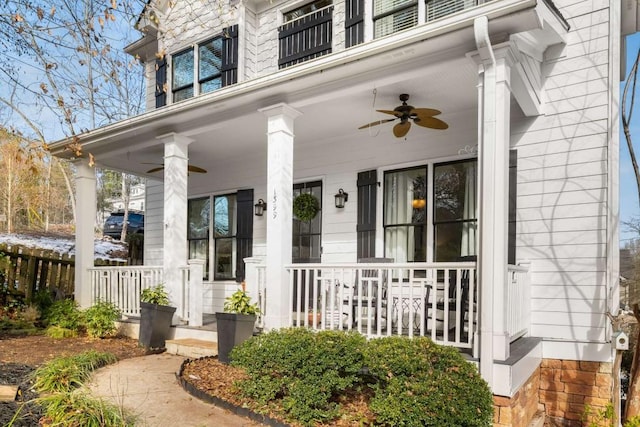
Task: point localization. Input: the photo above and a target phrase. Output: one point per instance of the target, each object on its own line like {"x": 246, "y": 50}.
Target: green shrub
{"x": 65, "y": 314}
{"x": 59, "y": 333}
{"x": 307, "y": 371}
{"x": 76, "y": 408}
{"x": 421, "y": 383}
{"x": 100, "y": 319}
{"x": 64, "y": 374}
{"x": 43, "y": 300}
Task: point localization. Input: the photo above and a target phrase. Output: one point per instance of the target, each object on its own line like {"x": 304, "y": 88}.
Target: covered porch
{"x": 275, "y": 136}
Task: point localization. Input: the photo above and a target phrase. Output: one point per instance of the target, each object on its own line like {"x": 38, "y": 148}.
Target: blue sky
{"x": 629, "y": 207}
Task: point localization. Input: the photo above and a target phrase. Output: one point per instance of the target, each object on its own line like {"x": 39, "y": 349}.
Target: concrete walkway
{"x": 148, "y": 387}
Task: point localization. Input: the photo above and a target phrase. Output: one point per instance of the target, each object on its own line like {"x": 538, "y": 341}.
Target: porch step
{"x": 192, "y": 348}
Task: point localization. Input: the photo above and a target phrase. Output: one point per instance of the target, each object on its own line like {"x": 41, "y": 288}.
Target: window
{"x": 182, "y": 75}
{"x": 407, "y": 217}
{"x": 306, "y": 245}
{"x": 306, "y": 9}
{"x": 391, "y": 16}
{"x": 212, "y": 64}
{"x": 222, "y": 236}
{"x": 455, "y": 216}
{"x": 405, "y": 214}
{"x": 198, "y": 231}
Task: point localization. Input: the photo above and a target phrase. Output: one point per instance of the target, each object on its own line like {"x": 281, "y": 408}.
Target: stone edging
{"x": 238, "y": 410}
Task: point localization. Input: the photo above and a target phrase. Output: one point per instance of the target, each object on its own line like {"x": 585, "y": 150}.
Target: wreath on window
{"x": 305, "y": 206}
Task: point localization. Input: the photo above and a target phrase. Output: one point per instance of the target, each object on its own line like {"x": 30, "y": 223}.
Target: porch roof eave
{"x": 311, "y": 78}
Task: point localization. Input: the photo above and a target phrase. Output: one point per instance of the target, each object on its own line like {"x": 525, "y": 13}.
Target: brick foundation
{"x": 567, "y": 387}
{"x": 521, "y": 408}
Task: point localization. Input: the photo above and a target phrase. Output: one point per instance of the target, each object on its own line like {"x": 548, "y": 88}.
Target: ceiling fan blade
{"x": 190, "y": 168}
{"x": 392, "y": 112}
{"x": 425, "y": 112}
{"x": 376, "y": 123}
{"x": 401, "y": 129}
{"x": 430, "y": 122}
{"x": 196, "y": 169}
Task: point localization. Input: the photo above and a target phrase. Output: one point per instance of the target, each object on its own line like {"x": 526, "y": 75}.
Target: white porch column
{"x": 279, "y": 213}
{"x": 494, "y": 138}
{"x": 85, "y": 223}
{"x": 175, "y": 212}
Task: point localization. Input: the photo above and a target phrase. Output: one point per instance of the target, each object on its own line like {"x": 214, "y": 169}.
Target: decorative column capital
{"x": 176, "y": 138}
{"x": 280, "y": 109}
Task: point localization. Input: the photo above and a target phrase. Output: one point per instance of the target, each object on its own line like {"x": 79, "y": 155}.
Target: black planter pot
{"x": 233, "y": 329}
{"x": 155, "y": 324}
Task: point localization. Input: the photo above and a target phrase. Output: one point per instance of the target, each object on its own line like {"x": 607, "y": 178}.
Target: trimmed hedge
{"x": 414, "y": 381}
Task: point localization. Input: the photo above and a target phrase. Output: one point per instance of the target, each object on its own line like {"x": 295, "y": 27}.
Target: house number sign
{"x": 274, "y": 205}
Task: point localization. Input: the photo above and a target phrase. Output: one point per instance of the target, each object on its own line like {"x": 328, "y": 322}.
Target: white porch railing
{"x": 438, "y": 300}
{"x": 122, "y": 285}
{"x": 518, "y": 301}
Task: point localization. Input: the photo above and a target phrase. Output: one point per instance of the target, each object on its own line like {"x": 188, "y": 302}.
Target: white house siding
{"x": 150, "y": 85}
{"x": 189, "y": 22}
{"x": 153, "y": 220}
{"x": 563, "y": 182}
{"x": 250, "y": 51}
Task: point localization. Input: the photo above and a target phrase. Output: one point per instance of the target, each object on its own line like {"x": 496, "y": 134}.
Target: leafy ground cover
{"x": 20, "y": 355}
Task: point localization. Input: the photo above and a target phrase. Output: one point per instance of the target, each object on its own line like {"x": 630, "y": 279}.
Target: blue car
{"x": 113, "y": 224}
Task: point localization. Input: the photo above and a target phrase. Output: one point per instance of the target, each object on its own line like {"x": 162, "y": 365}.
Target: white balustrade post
{"x": 252, "y": 287}
{"x": 85, "y": 223}
{"x": 279, "y": 212}
{"x": 196, "y": 288}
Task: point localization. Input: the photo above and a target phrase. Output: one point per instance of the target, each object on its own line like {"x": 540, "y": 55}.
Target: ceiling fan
{"x": 190, "y": 168}
{"x": 420, "y": 116}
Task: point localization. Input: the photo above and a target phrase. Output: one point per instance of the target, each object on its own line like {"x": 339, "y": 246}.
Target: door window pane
{"x": 405, "y": 214}
{"x": 198, "y": 230}
{"x": 455, "y": 213}
{"x": 224, "y": 236}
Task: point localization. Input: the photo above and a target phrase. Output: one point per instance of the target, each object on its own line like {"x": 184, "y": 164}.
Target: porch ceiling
{"x": 335, "y": 95}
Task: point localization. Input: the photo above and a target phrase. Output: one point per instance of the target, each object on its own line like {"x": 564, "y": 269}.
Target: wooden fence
{"x": 25, "y": 271}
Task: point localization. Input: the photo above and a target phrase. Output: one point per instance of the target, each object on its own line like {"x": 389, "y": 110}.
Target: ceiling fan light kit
{"x": 406, "y": 113}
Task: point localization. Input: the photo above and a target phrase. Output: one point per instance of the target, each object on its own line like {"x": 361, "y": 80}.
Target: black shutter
{"x": 244, "y": 230}
{"x": 366, "y": 229}
{"x": 229, "y": 58}
{"x": 513, "y": 196}
{"x": 161, "y": 80}
{"x": 354, "y": 22}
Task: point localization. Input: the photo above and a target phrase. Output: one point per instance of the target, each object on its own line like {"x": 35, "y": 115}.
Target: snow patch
{"x": 103, "y": 249}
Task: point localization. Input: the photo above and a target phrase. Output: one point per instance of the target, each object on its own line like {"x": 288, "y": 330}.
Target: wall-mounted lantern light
{"x": 341, "y": 198}
{"x": 259, "y": 207}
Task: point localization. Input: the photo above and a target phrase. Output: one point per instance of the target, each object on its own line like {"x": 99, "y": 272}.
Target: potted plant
{"x": 155, "y": 317}
{"x": 236, "y": 324}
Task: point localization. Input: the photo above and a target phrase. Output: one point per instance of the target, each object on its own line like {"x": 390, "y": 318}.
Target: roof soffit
{"x": 416, "y": 48}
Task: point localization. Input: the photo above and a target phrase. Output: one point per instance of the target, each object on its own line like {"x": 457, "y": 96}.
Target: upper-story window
{"x": 206, "y": 67}
{"x": 208, "y": 72}
{"x": 390, "y": 16}
{"x": 306, "y": 33}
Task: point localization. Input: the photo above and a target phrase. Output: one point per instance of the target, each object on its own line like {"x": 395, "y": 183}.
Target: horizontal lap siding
{"x": 563, "y": 182}
{"x": 153, "y": 220}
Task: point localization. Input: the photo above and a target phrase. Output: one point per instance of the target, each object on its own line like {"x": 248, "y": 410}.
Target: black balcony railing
{"x": 305, "y": 38}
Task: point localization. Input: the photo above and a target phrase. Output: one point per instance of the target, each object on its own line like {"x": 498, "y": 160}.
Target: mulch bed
{"x": 21, "y": 355}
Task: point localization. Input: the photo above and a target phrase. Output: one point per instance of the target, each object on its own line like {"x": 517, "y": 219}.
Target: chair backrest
{"x": 372, "y": 273}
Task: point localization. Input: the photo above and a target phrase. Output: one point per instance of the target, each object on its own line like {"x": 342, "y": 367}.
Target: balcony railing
{"x": 306, "y": 37}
